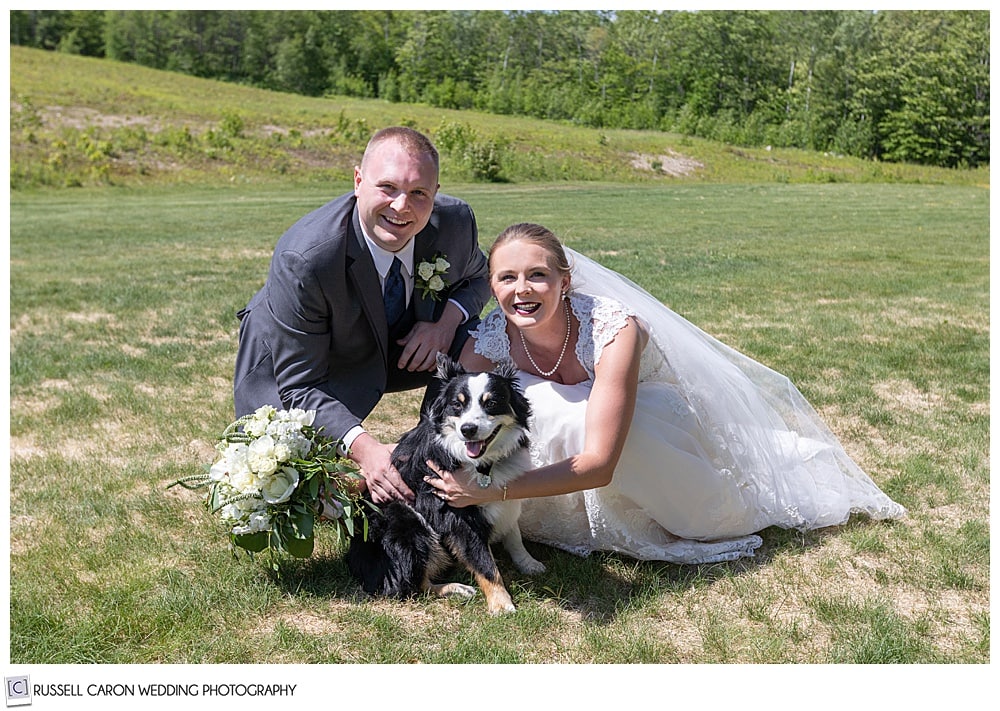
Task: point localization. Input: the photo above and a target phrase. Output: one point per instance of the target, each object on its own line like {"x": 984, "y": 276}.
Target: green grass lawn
{"x": 873, "y": 298}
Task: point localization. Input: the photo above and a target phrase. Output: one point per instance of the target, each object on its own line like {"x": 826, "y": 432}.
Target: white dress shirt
{"x": 383, "y": 261}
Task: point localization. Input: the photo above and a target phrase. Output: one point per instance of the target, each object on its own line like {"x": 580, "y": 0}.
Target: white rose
{"x": 232, "y": 462}
{"x": 435, "y": 283}
{"x": 303, "y": 418}
{"x": 264, "y": 466}
{"x": 279, "y": 488}
{"x": 255, "y": 427}
{"x": 261, "y": 456}
{"x": 441, "y": 265}
{"x": 282, "y": 452}
{"x": 244, "y": 481}
{"x": 425, "y": 270}
{"x": 257, "y": 424}
{"x": 279, "y": 427}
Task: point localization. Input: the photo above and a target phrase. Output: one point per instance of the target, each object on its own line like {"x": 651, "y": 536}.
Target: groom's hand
{"x": 383, "y": 481}
{"x": 422, "y": 344}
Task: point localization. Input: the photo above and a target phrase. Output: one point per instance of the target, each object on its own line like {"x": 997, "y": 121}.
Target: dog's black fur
{"x": 477, "y": 423}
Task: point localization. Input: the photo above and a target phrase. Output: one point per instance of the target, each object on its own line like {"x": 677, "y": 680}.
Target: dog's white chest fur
{"x": 503, "y": 515}
{"x": 487, "y": 435}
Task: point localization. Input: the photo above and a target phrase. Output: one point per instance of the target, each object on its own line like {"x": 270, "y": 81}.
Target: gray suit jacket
{"x": 315, "y": 336}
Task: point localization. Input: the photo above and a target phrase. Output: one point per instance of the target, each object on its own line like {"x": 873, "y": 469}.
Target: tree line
{"x": 903, "y": 86}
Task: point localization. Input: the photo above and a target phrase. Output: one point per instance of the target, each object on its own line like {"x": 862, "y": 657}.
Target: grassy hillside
{"x": 82, "y": 121}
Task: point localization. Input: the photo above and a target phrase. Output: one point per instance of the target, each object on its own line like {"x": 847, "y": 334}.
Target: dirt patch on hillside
{"x": 669, "y": 163}
{"x": 81, "y": 118}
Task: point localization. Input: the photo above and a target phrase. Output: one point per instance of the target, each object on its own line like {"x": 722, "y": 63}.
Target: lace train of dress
{"x": 720, "y": 447}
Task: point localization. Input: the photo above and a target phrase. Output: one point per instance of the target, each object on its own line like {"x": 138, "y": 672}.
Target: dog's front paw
{"x": 502, "y": 609}
{"x": 498, "y": 599}
{"x": 530, "y": 566}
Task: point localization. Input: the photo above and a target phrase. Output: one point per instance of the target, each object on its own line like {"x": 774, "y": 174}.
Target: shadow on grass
{"x": 599, "y": 587}
{"x": 603, "y": 585}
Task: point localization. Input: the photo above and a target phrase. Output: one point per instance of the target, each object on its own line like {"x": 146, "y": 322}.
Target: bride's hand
{"x": 448, "y": 488}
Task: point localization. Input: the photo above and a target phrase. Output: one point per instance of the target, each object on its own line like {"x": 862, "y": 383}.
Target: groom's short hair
{"x": 413, "y": 141}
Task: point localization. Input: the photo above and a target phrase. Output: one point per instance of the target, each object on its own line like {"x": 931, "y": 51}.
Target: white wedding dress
{"x": 720, "y": 446}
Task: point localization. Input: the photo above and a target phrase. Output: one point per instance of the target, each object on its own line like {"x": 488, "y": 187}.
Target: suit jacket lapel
{"x": 425, "y": 248}
{"x": 361, "y": 271}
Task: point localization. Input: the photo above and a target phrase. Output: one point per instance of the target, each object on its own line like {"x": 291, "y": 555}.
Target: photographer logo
{"x": 18, "y": 691}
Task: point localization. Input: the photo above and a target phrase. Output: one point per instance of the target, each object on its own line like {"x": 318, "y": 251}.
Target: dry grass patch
{"x": 308, "y": 622}
{"x": 908, "y": 397}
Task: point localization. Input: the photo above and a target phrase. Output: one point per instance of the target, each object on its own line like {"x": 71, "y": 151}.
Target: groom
{"x": 349, "y": 311}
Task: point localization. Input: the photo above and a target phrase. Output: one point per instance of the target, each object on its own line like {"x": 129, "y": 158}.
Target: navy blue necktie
{"x": 394, "y": 294}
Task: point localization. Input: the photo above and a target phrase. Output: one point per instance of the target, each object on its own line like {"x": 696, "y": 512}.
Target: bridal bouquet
{"x": 273, "y": 476}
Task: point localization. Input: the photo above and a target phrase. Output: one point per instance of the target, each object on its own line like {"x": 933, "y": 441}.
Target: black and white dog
{"x": 477, "y": 427}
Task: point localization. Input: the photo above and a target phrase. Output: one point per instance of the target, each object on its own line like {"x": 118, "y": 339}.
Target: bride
{"x": 649, "y": 437}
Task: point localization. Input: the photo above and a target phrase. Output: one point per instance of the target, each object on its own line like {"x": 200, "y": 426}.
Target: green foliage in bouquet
{"x": 275, "y": 474}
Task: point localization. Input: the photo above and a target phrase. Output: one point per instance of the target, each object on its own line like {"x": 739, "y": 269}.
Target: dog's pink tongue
{"x": 475, "y": 449}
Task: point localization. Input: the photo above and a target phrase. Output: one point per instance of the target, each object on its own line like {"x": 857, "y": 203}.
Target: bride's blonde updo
{"x": 536, "y": 234}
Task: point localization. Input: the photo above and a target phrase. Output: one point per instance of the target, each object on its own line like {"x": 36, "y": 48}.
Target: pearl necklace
{"x": 547, "y": 373}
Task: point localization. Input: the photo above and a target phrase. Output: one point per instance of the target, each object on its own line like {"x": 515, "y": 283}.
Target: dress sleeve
{"x": 600, "y": 320}
{"x": 491, "y": 337}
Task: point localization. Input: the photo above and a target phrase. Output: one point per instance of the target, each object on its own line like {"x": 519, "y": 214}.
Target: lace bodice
{"x": 600, "y": 318}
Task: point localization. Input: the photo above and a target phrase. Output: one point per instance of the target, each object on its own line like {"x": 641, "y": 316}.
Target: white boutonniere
{"x": 430, "y": 277}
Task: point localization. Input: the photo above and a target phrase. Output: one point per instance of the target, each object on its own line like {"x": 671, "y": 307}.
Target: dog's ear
{"x": 447, "y": 368}
{"x": 506, "y": 369}
{"x": 520, "y": 404}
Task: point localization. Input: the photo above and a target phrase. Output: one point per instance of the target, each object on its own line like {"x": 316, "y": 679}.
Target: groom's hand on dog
{"x": 383, "y": 481}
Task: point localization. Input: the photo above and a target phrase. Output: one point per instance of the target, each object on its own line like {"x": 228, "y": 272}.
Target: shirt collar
{"x": 383, "y": 257}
